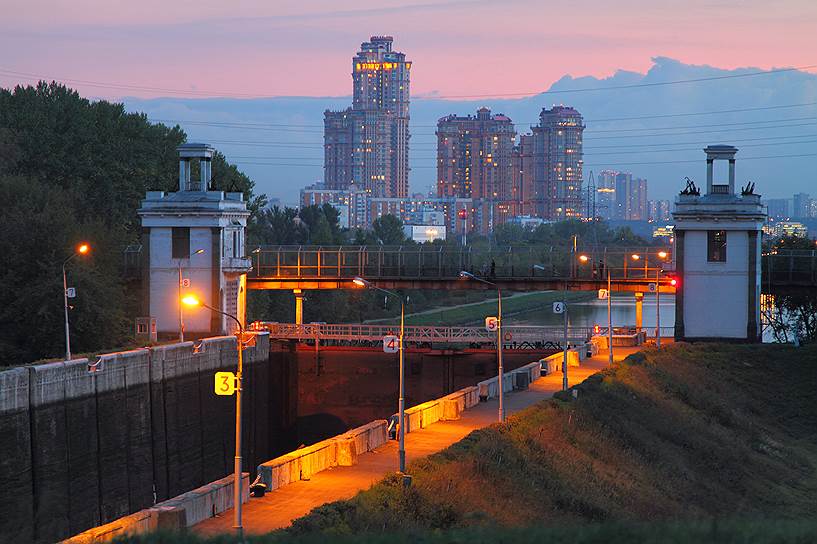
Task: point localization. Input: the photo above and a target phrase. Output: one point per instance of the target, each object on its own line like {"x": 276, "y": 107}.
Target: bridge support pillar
{"x": 299, "y": 306}
{"x": 639, "y": 311}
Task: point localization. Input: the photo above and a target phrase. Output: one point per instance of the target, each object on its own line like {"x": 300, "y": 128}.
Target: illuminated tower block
{"x": 197, "y": 234}
{"x": 717, "y": 252}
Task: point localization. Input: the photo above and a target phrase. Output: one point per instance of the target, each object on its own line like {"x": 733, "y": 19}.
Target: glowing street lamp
{"x": 181, "y": 318}
{"x": 662, "y": 254}
{"x": 401, "y": 403}
{"x": 82, "y": 249}
{"x": 584, "y": 258}
{"x": 501, "y": 368}
{"x": 635, "y": 256}
{"x": 192, "y": 300}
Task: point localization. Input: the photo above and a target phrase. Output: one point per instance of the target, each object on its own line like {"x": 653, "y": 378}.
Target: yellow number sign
{"x": 225, "y": 383}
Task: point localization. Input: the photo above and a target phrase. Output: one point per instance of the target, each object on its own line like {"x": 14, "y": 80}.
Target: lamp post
{"x": 501, "y": 368}
{"x": 661, "y": 255}
{"x": 401, "y": 403}
{"x": 181, "y": 318}
{"x": 191, "y": 300}
{"x": 81, "y": 250}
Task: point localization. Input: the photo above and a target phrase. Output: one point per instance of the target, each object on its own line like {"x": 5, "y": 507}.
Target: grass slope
{"x": 688, "y": 432}
{"x": 709, "y": 443}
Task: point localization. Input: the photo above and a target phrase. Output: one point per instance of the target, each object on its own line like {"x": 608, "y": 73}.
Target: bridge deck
{"x": 522, "y": 268}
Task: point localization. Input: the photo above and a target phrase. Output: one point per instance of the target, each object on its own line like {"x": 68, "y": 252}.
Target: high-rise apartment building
{"x": 366, "y": 146}
{"x": 606, "y": 194}
{"x": 474, "y": 160}
{"x": 557, "y": 163}
{"x": 522, "y": 178}
{"x": 801, "y": 205}
{"x": 658, "y": 210}
{"x": 778, "y": 208}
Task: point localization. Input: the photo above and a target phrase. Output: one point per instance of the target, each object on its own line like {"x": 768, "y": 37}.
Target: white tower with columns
{"x": 717, "y": 257}
{"x": 193, "y": 242}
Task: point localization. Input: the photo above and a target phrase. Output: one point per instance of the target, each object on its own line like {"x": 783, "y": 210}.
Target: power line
{"x": 634, "y": 85}
{"x": 317, "y": 165}
{"x": 201, "y": 92}
{"x": 290, "y": 127}
{"x": 637, "y": 150}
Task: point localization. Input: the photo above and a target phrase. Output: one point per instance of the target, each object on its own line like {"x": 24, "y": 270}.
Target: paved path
{"x": 280, "y": 507}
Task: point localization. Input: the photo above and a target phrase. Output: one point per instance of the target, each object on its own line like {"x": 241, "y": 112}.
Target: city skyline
{"x": 659, "y": 76}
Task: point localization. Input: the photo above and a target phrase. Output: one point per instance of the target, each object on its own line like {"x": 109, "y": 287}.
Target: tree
{"x": 388, "y": 229}
{"x": 75, "y": 170}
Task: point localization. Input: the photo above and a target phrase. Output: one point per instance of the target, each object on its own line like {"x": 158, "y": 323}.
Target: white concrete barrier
{"x": 360, "y": 440}
{"x": 300, "y": 464}
{"x": 173, "y": 514}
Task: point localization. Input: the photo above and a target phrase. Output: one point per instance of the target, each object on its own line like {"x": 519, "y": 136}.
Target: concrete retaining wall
{"x": 574, "y": 358}
{"x": 88, "y": 442}
{"x": 175, "y": 514}
{"x": 341, "y": 450}
{"x": 515, "y": 379}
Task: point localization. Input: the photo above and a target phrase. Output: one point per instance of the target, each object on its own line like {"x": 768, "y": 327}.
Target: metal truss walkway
{"x": 476, "y": 336}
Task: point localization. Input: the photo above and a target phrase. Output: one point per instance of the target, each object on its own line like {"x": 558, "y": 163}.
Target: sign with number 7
{"x": 225, "y": 383}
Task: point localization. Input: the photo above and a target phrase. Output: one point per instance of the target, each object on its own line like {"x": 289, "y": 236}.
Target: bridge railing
{"x": 436, "y": 261}
{"x": 352, "y": 332}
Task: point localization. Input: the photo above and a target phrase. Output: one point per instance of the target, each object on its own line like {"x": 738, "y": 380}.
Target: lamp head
{"x": 198, "y": 252}
{"x": 584, "y": 258}
{"x": 464, "y": 274}
{"x": 662, "y": 254}
{"x": 83, "y": 249}
{"x": 191, "y": 300}
{"x": 360, "y": 282}
{"x": 635, "y": 256}
{"x": 256, "y": 251}
{"x": 538, "y": 267}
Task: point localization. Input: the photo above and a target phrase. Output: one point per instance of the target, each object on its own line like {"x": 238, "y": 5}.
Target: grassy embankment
{"x": 703, "y": 443}
{"x": 475, "y": 312}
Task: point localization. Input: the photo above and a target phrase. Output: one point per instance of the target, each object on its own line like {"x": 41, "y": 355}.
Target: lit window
{"x": 716, "y": 246}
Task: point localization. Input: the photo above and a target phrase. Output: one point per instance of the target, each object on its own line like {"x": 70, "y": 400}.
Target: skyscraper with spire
{"x": 366, "y": 146}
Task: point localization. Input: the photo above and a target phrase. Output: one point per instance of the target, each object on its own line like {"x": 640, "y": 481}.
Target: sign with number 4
{"x": 391, "y": 344}
{"x": 225, "y": 383}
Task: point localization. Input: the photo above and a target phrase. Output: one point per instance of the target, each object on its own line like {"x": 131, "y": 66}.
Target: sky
{"x": 296, "y": 48}
{"x": 166, "y": 57}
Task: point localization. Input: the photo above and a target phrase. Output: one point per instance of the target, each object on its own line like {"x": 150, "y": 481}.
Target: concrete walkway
{"x": 280, "y": 507}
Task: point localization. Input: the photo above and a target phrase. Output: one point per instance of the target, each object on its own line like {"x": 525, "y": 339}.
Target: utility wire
{"x": 202, "y": 92}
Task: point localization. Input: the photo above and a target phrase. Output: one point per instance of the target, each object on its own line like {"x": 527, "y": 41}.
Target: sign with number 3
{"x": 225, "y": 383}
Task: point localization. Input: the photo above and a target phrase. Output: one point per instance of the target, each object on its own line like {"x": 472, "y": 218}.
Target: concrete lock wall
{"x": 89, "y": 442}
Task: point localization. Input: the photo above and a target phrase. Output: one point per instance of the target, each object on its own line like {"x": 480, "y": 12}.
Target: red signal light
{"x": 673, "y": 282}
{"x": 462, "y": 214}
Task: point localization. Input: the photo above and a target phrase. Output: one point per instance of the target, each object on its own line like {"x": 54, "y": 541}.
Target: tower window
{"x": 181, "y": 242}
{"x": 716, "y": 246}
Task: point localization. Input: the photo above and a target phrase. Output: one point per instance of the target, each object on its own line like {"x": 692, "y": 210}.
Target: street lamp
{"x": 564, "y": 350}
{"x": 82, "y": 249}
{"x": 501, "y": 368}
{"x": 192, "y": 300}
{"x": 401, "y": 404}
{"x": 181, "y": 318}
